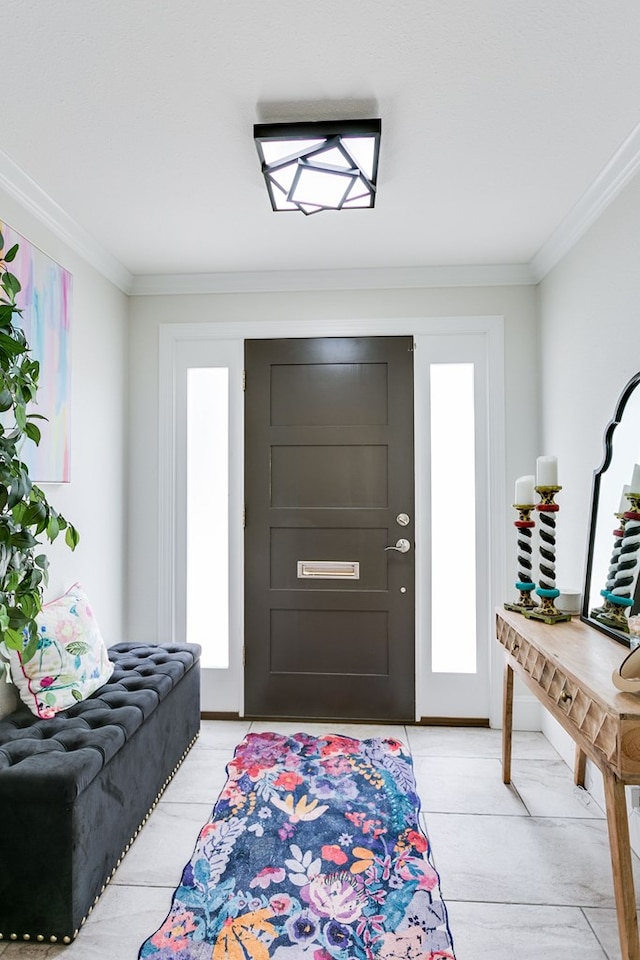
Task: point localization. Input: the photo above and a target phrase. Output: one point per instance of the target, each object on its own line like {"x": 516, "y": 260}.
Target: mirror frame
{"x": 595, "y": 496}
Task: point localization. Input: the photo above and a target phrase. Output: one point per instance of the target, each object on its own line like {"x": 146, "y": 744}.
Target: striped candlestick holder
{"x": 618, "y": 534}
{"x": 524, "y": 525}
{"x": 546, "y": 590}
{"x": 620, "y": 599}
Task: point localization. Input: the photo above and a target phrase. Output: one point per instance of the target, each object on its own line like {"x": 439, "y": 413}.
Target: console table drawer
{"x": 583, "y": 715}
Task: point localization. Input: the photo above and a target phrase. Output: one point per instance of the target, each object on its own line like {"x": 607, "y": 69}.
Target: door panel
{"x": 329, "y": 476}
{"x": 329, "y": 465}
{"x": 325, "y": 394}
{"x": 353, "y": 642}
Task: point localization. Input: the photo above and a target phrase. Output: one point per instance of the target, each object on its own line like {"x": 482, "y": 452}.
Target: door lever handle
{"x": 402, "y": 546}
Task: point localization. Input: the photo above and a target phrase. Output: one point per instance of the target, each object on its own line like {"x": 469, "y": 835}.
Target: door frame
{"x": 229, "y": 691}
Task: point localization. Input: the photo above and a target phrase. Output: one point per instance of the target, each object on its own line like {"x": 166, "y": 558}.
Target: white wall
{"x": 589, "y": 308}
{"x": 516, "y": 304}
{"x": 94, "y": 500}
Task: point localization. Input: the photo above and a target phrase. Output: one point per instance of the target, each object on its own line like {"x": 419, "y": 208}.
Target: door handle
{"x": 402, "y": 546}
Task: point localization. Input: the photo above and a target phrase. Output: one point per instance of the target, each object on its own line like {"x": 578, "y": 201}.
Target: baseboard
{"x": 422, "y": 722}
{"x": 221, "y": 715}
{"x": 453, "y": 722}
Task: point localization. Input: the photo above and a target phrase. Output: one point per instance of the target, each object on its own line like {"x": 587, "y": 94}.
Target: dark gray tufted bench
{"x": 75, "y": 790}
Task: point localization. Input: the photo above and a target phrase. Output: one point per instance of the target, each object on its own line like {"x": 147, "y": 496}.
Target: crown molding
{"x": 613, "y": 178}
{"x": 271, "y": 281}
{"x": 36, "y": 201}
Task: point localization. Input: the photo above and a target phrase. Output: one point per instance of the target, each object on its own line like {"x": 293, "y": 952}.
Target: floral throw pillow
{"x": 71, "y": 660}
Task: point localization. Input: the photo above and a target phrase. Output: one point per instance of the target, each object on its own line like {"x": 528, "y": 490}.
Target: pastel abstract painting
{"x": 45, "y": 301}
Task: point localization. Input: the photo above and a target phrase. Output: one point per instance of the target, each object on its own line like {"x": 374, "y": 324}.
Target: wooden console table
{"x": 568, "y": 667}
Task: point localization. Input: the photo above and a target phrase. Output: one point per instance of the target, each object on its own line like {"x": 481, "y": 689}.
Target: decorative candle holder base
{"x": 525, "y": 600}
{"x": 520, "y": 606}
{"x": 547, "y": 610}
{"x": 614, "y": 613}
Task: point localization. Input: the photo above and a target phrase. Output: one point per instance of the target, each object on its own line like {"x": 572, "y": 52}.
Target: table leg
{"x": 621, "y": 865}
{"x": 507, "y": 723}
{"x": 580, "y": 767}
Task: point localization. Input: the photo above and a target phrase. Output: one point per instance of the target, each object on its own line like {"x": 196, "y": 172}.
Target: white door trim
{"x": 172, "y": 334}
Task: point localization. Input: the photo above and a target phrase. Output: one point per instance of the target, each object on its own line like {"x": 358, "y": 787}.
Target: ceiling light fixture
{"x": 319, "y": 165}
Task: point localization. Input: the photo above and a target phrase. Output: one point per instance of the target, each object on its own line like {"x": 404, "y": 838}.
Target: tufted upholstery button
{"x": 107, "y": 740}
{"x": 18, "y": 750}
{"x": 128, "y": 718}
{"x": 161, "y": 683}
{"x": 145, "y": 700}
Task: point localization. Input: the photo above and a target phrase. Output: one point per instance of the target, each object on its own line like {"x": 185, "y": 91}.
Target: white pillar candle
{"x": 525, "y": 490}
{"x": 635, "y": 479}
{"x": 547, "y": 472}
{"x": 624, "y": 502}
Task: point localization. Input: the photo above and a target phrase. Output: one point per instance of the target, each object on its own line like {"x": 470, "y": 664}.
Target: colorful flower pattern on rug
{"x": 313, "y": 852}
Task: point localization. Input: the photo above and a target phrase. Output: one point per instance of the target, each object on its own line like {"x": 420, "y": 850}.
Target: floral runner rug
{"x": 313, "y": 851}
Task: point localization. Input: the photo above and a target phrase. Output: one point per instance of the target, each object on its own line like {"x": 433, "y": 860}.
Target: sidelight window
{"x": 208, "y": 513}
{"x": 453, "y": 518}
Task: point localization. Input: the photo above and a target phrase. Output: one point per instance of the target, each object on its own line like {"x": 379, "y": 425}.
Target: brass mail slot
{"x": 328, "y": 570}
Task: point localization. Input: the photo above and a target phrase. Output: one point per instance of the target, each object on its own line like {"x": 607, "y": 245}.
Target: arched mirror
{"x": 611, "y": 596}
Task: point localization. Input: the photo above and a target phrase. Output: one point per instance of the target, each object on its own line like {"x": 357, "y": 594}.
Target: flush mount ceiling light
{"x": 319, "y": 165}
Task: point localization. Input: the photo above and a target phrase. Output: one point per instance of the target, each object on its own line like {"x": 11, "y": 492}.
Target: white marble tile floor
{"x": 525, "y": 868}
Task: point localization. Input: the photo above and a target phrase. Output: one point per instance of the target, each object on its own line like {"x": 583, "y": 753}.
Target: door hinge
{"x": 244, "y": 656}
{"x": 244, "y": 379}
{"x": 413, "y": 347}
{"x": 244, "y": 517}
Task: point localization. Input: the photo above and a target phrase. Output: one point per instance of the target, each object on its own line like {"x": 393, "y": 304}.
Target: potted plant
{"x": 25, "y": 513}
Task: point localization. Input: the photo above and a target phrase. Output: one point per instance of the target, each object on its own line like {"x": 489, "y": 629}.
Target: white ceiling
{"x": 506, "y": 126}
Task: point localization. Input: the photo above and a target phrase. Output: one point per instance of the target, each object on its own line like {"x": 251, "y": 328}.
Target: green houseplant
{"x": 25, "y": 513}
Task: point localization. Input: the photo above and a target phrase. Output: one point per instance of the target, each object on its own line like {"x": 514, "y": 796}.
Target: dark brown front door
{"x": 329, "y": 612}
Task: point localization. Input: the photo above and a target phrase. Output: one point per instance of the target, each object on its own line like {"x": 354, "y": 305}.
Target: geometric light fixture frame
{"x": 320, "y": 165}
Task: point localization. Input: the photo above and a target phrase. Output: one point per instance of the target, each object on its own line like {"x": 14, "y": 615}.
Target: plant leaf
{"x": 10, "y": 255}
{"x": 13, "y": 638}
{"x": 10, "y": 283}
{"x": 7, "y": 311}
{"x": 72, "y": 537}
{"x": 29, "y": 651}
{"x": 9, "y": 346}
{"x": 34, "y": 513}
{"x": 33, "y": 432}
